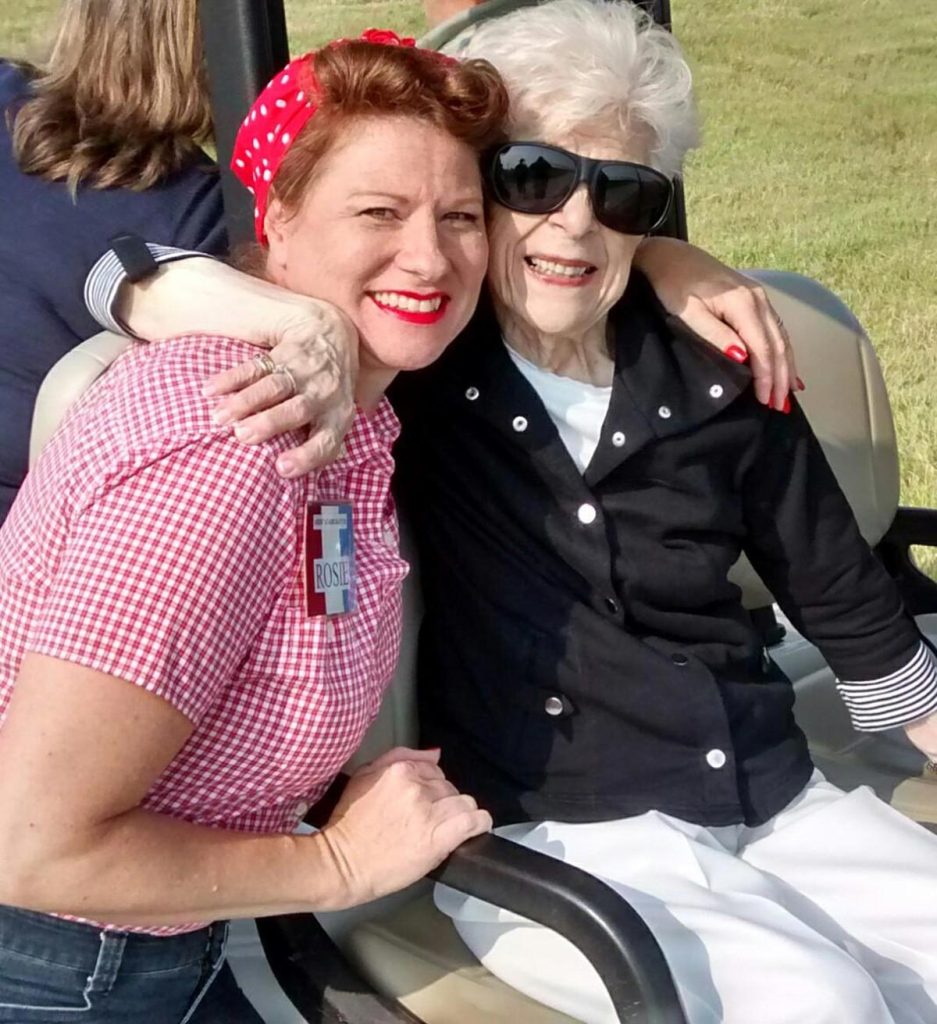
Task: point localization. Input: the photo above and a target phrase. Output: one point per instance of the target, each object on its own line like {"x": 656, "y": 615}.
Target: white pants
{"x": 826, "y": 914}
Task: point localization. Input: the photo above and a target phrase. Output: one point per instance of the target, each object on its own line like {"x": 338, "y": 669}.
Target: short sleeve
{"x": 170, "y": 574}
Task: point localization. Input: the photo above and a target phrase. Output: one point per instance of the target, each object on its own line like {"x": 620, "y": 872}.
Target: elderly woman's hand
{"x": 397, "y": 819}
{"x": 306, "y": 380}
{"x": 732, "y": 312}
{"x": 923, "y": 734}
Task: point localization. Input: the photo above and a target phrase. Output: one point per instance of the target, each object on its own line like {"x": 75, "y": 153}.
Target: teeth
{"x": 393, "y": 300}
{"x": 557, "y": 269}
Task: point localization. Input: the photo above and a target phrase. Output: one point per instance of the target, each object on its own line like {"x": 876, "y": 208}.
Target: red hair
{"x": 465, "y": 99}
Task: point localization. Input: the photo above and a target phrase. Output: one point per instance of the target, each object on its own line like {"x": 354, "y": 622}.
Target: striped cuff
{"x": 897, "y": 699}
{"x": 106, "y": 277}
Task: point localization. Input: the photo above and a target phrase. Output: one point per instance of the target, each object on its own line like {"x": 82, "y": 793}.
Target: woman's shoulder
{"x": 15, "y": 77}
{"x": 149, "y": 407}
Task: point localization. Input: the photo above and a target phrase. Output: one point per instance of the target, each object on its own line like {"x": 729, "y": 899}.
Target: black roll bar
{"x": 245, "y": 42}
{"x": 323, "y": 986}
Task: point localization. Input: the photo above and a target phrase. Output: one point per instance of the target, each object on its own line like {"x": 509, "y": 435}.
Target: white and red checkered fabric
{"x": 149, "y": 545}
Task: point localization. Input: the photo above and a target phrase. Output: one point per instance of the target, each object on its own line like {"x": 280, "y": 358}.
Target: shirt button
{"x": 302, "y": 809}
{"x": 680, "y": 659}
{"x": 471, "y": 394}
{"x": 611, "y": 605}
{"x": 715, "y": 391}
{"x": 664, "y": 412}
{"x": 519, "y": 423}
{"x": 553, "y": 706}
{"x": 716, "y": 759}
{"x": 586, "y": 514}
{"x": 618, "y": 439}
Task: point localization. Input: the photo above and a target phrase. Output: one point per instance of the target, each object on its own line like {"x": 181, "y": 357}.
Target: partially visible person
{"x": 191, "y": 647}
{"x": 104, "y": 137}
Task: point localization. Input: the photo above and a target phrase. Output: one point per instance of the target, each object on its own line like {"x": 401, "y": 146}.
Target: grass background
{"x": 820, "y": 156}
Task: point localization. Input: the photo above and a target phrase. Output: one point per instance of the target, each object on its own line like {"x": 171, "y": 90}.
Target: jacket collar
{"x": 667, "y": 381}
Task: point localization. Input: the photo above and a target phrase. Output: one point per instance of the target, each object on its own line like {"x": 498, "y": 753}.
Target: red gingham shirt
{"x": 150, "y": 545}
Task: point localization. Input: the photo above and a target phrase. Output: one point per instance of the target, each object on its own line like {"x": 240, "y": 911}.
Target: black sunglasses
{"x": 531, "y": 177}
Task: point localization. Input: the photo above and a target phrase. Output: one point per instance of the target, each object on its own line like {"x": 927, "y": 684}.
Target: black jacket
{"x": 583, "y": 655}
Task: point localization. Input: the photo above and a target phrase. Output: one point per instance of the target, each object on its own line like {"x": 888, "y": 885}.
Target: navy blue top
{"x": 48, "y": 243}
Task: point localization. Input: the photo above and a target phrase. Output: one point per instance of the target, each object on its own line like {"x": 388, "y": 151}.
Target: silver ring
{"x": 288, "y": 373}
{"x": 265, "y": 365}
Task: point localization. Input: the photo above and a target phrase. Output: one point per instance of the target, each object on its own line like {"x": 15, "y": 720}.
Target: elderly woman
{"x": 581, "y": 475}
{"x": 169, "y": 713}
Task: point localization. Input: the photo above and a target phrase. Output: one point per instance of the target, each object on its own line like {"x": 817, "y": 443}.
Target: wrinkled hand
{"x": 398, "y": 818}
{"x": 923, "y": 734}
{"x": 319, "y": 346}
{"x": 732, "y": 312}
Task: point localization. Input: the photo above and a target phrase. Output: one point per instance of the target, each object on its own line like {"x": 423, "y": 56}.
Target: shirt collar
{"x": 667, "y": 381}
{"x": 371, "y": 433}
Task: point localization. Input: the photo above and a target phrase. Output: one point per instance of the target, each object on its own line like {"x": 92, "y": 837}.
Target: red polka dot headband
{"x": 277, "y": 116}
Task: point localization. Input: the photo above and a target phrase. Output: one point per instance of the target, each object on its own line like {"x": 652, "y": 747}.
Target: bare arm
{"x": 80, "y": 749}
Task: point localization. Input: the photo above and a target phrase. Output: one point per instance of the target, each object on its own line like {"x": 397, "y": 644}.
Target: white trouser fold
{"x": 826, "y": 914}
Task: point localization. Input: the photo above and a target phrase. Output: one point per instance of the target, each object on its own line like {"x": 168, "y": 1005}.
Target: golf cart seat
{"x": 406, "y": 949}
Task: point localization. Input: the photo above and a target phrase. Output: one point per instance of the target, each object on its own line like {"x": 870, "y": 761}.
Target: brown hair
{"x": 123, "y": 99}
{"x": 466, "y": 99}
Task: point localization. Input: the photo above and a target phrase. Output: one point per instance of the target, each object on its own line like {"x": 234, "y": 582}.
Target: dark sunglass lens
{"x": 532, "y": 179}
{"x": 630, "y": 198}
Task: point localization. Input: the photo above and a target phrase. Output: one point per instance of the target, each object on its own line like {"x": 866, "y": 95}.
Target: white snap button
{"x": 715, "y": 391}
{"x": 586, "y": 514}
{"x": 664, "y": 412}
{"x": 618, "y": 439}
{"x": 716, "y": 759}
{"x": 302, "y": 809}
{"x": 519, "y": 423}
{"x": 553, "y": 706}
{"x": 471, "y": 394}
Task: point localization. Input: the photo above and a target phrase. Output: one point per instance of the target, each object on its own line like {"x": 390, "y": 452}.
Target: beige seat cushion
{"x": 416, "y": 956}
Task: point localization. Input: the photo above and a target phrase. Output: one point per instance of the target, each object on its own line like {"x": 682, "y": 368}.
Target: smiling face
{"x": 559, "y": 274}
{"x": 391, "y": 230}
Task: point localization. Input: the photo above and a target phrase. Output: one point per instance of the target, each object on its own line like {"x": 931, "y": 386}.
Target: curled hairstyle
{"x": 465, "y": 99}
{"x": 572, "y": 65}
{"x": 122, "y": 99}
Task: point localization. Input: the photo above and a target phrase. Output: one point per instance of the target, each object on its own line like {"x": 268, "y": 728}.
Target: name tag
{"x": 329, "y": 563}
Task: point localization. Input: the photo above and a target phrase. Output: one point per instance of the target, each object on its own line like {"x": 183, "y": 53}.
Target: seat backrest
{"x": 845, "y": 401}
{"x": 67, "y": 381}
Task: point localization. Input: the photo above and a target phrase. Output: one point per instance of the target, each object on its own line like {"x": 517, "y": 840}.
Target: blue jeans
{"x": 52, "y": 971}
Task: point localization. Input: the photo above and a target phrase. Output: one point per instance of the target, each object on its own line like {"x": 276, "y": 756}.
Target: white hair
{"x": 572, "y": 65}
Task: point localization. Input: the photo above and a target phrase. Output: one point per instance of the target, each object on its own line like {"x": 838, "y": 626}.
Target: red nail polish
{"x": 801, "y": 386}
{"x": 786, "y": 407}
{"x": 770, "y": 402}
{"x": 737, "y": 353}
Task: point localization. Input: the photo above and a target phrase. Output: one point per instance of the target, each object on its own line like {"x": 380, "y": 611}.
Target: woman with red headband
{"x": 170, "y": 713}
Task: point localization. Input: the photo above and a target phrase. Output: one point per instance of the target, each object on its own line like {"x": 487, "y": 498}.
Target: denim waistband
{"x": 72, "y": 944}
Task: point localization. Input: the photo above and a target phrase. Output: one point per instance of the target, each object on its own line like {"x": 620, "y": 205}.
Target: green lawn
{"x": 820, "y": 156}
